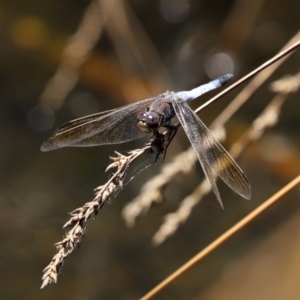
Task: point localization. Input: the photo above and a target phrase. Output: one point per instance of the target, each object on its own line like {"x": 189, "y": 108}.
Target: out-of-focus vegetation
{"x": 60, "y": 60}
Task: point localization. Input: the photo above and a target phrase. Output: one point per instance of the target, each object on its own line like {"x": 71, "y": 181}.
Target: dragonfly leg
{"x": 172, "y": 130}
{"x": 157, "y": 144}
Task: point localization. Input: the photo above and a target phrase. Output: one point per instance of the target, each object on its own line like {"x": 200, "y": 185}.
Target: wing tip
{"x": 246, "y": 192}
{"x": 46, "y": 146}
{"x": 247, "y": 195}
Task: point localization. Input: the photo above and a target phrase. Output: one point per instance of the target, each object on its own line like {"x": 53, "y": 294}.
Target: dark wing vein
{"x": 110, "y": 127}
{"x": 80, "y": 121}
{"x": 214, "y": 159}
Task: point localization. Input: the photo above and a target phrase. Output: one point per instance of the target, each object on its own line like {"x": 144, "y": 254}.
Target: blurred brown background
{"x": 60, "y": 60}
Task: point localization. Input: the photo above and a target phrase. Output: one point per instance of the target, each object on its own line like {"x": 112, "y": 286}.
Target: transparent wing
{"x": 80, "y": 121}
{"x": 213, "y": 158}
{"x": 109, "y": 127}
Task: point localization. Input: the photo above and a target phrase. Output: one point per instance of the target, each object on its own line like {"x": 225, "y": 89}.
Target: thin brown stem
{"x": 283, "y": 55}
{"x": 224, "y": 237}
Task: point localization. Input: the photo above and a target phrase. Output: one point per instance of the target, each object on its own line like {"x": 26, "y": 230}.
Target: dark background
{"x": 165, "y": 45}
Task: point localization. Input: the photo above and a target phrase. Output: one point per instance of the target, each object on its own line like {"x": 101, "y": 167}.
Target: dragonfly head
{"x": 147, "y": 121}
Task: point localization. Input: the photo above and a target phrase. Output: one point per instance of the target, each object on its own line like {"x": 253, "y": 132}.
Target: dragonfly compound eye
{"x": 146, "y": 122}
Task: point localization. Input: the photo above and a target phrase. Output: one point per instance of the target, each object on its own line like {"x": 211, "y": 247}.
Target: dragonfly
{"x": 151, "y": 115}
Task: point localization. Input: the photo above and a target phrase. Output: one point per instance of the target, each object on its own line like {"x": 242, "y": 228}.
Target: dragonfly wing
{"x": 80, "y": 121}
{"x": 110, "y": 127}
{"x": 214, "y": 159}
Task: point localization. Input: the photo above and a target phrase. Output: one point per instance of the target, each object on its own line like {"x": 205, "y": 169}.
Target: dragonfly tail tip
{"x": 224, "y": 79}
